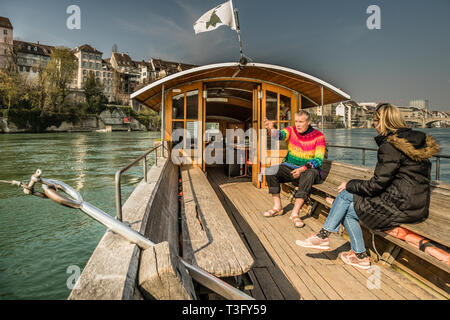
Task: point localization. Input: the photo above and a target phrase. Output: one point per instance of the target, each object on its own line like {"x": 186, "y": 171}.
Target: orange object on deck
{"x": 438, "y": 253}
{"x": 416, "y": 240}
{"x": 399, "y": 233}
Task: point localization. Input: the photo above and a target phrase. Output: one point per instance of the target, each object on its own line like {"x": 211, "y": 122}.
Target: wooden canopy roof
{"x": 308, "y": 86}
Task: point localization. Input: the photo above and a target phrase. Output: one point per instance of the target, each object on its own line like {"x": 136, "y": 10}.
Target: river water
{"x": 42, "y": 243}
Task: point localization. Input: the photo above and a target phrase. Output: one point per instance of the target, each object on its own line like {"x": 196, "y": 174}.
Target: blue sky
{"x": 409, "y": 58}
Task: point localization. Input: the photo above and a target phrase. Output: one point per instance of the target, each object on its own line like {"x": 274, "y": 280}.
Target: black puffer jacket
{"x": 399, "y": 191}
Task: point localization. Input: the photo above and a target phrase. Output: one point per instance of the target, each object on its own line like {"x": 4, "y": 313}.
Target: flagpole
{"x": 242, "y": 60}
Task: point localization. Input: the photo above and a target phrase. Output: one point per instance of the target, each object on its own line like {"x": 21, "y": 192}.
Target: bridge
{"x": 427, "y": 121}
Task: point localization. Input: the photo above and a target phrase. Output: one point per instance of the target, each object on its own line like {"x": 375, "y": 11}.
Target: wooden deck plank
{"x": 407, "y": 285}
{"x": 286, "y": 288}
{"x": 256, "y": 292}
{"x": 329, "y": 291}
{"x": 314, "y": 288}
{"x": 269, "y": 287}
{"x": 253, "y": 212}
{"x": 314, "y": 274}
{"x": 384, "y": 292}
{"x": 344, "y": 283}
{"x": 298, "y": 283}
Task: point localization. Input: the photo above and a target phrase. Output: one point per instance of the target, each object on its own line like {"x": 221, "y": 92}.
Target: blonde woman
{"x": 399, "y": 191}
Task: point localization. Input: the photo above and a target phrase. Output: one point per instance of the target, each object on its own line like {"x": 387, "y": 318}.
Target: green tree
{"x": 93, "y": 91}
{"x": 60, "y": 72}
{"x": 11, "y": 89}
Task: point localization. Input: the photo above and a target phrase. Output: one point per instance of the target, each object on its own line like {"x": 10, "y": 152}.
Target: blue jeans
{"x": 343, "y": 211}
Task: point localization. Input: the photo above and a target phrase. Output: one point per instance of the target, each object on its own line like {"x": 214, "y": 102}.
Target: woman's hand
{"x": 342, "y": 186}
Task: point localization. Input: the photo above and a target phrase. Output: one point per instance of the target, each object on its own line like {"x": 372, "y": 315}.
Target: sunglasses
{"x": 381, "y": 106}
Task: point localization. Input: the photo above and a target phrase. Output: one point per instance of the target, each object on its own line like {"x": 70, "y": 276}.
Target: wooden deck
{"x": 283, "y": 270}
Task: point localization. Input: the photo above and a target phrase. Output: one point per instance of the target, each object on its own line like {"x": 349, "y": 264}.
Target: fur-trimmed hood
{"x": 415, "y": 144}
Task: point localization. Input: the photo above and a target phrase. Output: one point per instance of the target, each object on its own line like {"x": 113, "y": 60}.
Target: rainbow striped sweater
{"x": 304, "y": 149}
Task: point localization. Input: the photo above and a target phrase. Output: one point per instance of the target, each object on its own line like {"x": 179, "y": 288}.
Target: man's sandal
{"x": 297, "y": 221}
{"x": 273, "y": 213}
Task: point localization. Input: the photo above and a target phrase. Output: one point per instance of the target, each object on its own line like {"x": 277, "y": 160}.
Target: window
{"x": 97, "y": 66}
{"x": 104, "y": 74}
{"x": 178, "y": 106}
{"x": 97, "y": 73}
{"x": 85, "y": 72}
{"x": 271, "y": 105}
{"x": 278, "y": 109}
{"x": 5, "y": 31}
{"x": 90, "y": 65}
{"x": 192, "y": 104}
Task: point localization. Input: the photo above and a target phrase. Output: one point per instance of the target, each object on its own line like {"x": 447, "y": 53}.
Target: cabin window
{"x": 278, "y": 109}
{"x": 178, "y": 107}
{"x": 192, "y": 129}
{"x": 271, "y": 105}
{"x": 192, "y": 104}
{"x": 285, "y": 108}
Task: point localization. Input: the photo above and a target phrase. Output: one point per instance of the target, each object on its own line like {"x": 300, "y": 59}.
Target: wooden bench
{"x": 209, "y": 238}
{"x": 435, "y": 228}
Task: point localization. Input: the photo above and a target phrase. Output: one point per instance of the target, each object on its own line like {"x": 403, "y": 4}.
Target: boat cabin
{"x": 208, "y": 100}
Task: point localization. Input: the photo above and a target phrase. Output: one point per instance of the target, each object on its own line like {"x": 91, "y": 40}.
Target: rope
{"x": 380, "y": 258}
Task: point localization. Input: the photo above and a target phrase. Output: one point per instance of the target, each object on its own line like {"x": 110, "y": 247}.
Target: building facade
{"x": 6, "y": 41}
{"x": 32, "y": 58}
{"x": 90, "y": 60}
{"x": 419, "y": 103}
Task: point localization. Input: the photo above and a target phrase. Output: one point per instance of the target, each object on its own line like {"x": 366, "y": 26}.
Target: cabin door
{"x": 256, "y": 125}
{"x": 278, "y": 105}
{"x": 185, "y": 111}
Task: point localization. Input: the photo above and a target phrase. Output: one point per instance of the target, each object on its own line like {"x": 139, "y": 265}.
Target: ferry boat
{"x": 210, "y": 214}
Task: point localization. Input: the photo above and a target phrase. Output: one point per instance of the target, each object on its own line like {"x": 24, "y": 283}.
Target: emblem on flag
{"x": 216, "y": 17}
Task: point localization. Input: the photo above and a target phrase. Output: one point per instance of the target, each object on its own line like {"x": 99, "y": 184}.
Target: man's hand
{"x": 297, "y": 172}
{"x": 268, "y": 124}
{"x": 342, "y": 186}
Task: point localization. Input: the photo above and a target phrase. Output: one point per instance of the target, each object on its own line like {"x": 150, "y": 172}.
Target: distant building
{"x": 420, "y": 104}
{"x": 32, "y": 58}
{"x": 90, "y": 60}
{"x": 145, "y": 70}
{"x": 6, "y": 41}
{"x": 162, "y": 68}
{"x": 126, "y": 76}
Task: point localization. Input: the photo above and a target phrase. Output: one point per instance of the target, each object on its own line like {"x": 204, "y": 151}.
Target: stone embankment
{"x": 106, "y": 121}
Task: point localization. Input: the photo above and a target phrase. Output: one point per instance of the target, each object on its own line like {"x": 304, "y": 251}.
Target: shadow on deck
{"x": 285, "y": 271}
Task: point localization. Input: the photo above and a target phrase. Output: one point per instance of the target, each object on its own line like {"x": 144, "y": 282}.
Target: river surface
{"x": 42, "y": 243}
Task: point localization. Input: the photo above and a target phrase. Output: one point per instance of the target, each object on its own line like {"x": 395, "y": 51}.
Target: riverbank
{"x": 114, "y": 120}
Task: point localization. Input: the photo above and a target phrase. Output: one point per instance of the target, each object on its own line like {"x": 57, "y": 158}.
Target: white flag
{"x": 214, "y": 18}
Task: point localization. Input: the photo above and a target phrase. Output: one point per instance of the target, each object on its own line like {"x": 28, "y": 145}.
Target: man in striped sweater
{"x": 302, "y": 164}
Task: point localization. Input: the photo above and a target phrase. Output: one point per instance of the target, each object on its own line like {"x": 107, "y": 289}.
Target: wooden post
{"x": 162, "y": 276}
{"x": 321, "y": 105}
